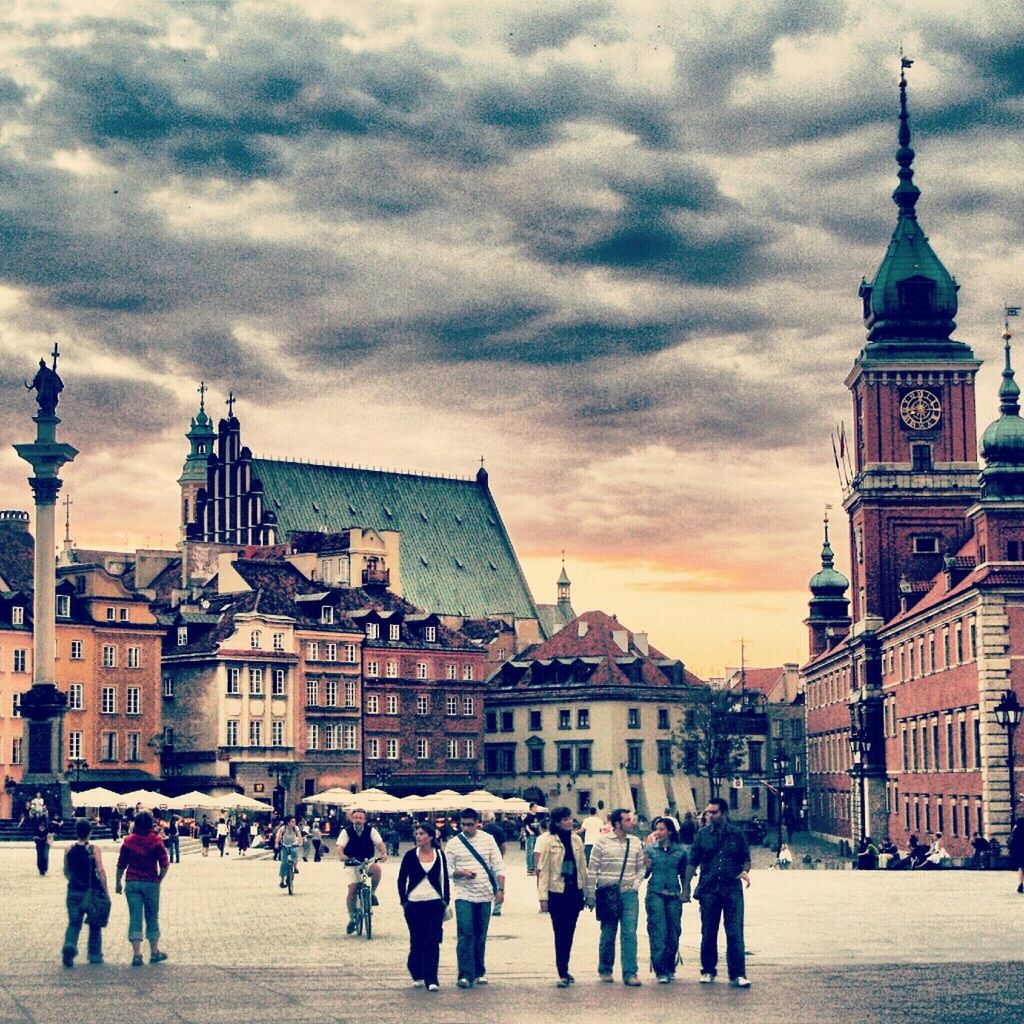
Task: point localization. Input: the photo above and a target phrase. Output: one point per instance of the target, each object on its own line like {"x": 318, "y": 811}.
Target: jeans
{"x": 586, "y": 851}
{"x": 564, "y": 909}
{"x": 174, "y": 849}
{"x": 42, "y": 856}
{"x": 143, "y": 901}
{"x": 221, "y": 840}
{"x": 425, "y": 921}
{"x": 75, "y": 918}
{"x": 316, "y": 850}
{"x": 289, "y": 855}
{"x": 664, "y": 928}
{"x": 472, "y": 920}
{"x": 715, "y": 904}
{"x": 531, "y": 862}
{"x": 626, "y": 926}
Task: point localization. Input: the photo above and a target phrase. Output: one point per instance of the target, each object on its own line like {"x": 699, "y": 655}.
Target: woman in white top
{"x": 424, "y": 892}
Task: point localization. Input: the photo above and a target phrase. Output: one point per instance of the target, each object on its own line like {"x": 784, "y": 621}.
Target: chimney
{"x": 621, "y": 637}
{"x": 640, "y": 641}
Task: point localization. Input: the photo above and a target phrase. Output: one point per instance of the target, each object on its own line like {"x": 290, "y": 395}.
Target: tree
{"x": 709, "y": 739}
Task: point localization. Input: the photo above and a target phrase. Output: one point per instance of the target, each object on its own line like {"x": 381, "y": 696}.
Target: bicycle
{"x": 291, "y": 854}
{"x": 363, "y": 912}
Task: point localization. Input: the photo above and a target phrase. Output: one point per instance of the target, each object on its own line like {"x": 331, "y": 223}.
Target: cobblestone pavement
{"x": 823, "y": 946}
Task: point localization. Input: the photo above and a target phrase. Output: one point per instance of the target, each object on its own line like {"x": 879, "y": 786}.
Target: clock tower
{"x": 914, "y": 437}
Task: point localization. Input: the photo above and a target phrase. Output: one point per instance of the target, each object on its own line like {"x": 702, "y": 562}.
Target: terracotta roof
{"x": 763, "y": 680}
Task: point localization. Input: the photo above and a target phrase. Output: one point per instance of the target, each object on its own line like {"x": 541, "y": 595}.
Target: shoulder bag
{"x": 609, "y": 897}
{"x": 96, "y": 902}
{"x": 472, "y": 849}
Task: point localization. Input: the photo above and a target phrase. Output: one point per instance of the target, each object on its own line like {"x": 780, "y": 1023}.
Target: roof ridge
{"x": 326, "y": 464}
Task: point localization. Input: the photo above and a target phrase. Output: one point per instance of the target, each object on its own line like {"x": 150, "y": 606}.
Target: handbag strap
{"x": 490, "y": 874}
{"x": 625, "y": 857}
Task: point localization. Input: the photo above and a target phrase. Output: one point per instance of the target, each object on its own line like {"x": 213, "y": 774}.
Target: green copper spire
{"x": 909, "y": 307}
{"x": 1009, "y": 392}
{"x": 827, "y": 582}
{"x": 200, "y": 437}
{"x": 1002, "y": 444}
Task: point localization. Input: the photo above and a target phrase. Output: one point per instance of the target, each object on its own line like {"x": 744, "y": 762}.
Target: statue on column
{"x": 47, "y": 386}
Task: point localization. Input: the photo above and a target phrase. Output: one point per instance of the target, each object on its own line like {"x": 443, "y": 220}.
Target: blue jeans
{"x": 531, "y": 863}
{"x": 716, "y": 904}
{"x": 626, "y": 926}
{"x": 289, "y": 855}
{"x": 173, "y": 844}
{"x": 664, "y": 928}
{"x": 75, "y": 918}
{"x": 471, "y": 920}
{"x": 143, "y": 901}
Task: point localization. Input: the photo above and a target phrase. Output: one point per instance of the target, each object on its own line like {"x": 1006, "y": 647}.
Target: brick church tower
{"x": 915, "y": 443}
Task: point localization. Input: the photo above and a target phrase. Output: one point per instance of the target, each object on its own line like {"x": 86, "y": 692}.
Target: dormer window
{"x": 183, "y": 636}
{"x": 255, "y": 639}
{"x": 917, "y": 295}
{"x": 18, "y": 615}
{"x": 63, "y": 606}
{"x": 394, "y": 631}
{"x": 430, "y": 634}
{"x": 326, "y": 615}
{"x": 372, "y": 630}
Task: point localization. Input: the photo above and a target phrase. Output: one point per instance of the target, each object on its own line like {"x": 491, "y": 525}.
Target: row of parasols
{"x": 373, "y": 800}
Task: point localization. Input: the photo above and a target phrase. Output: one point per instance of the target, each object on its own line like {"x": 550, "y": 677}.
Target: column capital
{"x": 45, "y": 489}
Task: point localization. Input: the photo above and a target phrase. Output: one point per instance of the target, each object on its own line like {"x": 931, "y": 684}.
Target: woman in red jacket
{"x": 144, "y": 858}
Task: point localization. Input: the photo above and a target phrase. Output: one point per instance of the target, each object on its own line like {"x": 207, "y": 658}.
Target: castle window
{"x": 1013, "y": 551}
{"x": 921, "y": 458}
{"x": 917, "y": 295}
{"x": 926, "y": 545}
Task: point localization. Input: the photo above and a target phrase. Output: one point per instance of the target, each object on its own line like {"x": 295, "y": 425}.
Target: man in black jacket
{"x": 721, "y": 852}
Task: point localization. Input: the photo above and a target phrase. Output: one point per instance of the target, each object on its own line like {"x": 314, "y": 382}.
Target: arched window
{"x": 255, "y": 638}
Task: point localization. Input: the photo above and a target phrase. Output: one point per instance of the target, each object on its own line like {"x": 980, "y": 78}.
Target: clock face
{"x": 920, "y": 409}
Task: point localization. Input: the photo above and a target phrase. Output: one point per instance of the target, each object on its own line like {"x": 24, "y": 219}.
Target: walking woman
{"x": 666, "y": 866}
{"x": 424, "y": 892}
{"x": 242, "y": 838}
{"x": 83, "y": 868}
{"x": 561, "y": 867}
{"x": 222, "y": 834}
{"x": 144, "y": 858}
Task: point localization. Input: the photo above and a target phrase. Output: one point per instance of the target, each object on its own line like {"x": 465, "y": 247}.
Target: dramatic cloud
{"x": 614, "y": 245}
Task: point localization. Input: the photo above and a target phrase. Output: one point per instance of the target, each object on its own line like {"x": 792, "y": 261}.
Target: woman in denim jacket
{"x": 666, "y": 866}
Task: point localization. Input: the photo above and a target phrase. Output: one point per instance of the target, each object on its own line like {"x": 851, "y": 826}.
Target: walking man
{"x": 173, "y": 843}
{"x": 617, "y": 860}
{"x": 591, "y": 828}
{"x": 478, "y": 876}
{"x": 531, "y": 830}
{"x": 723, "y": 856}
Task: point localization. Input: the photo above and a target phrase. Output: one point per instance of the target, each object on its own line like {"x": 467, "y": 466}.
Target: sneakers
{"x": 375, "y": 901}
{"x": 631, "y": 981}
{"x": 740, "y": 982}
{"x": 563, "y": 983}
{"x": 96, "y": 959}
{"x": 480, "y": 981}
{"x": 282, "y": 885}
{"x": 67, "y": 955}
{"x": 707, "y": 979}
{"x": 158, "y": 958}
{"x": 663, "y": 979}
{"x": 605, "y": 977}
{"x": 351, "y": 926}
{"x": 1020, "y": 888}
{"x": 433, "y": 987}
{"x": 464, "y": 983}
{"x": 137, "y": 960}
{"x": 569, "y": 978}
{"x": 417, "y": 984}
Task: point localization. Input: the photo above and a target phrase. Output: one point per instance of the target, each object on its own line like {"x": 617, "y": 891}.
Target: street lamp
{"x": 780, "y": 762}
{"x": 860, "y": 741}
{"x": 382, "y": 774}
{"x": 77, "y": 765}
{"x": 1008, "y": 714}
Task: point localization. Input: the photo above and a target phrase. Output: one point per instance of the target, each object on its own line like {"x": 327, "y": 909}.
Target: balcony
{"x": 377, "y": 577}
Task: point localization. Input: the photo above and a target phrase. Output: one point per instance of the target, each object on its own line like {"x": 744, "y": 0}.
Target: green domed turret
{"x": 827, "y": 582}
{"x": 1002, "y": 444}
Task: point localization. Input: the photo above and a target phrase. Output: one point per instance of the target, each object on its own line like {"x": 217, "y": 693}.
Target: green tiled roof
{"x": 456, "y": 558}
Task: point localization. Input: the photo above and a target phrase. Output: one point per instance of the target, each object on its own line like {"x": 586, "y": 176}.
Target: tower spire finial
{"x": 202, "y": 395}
{"x": 827, "y": 558}
{"x": 1009, "y": 392}
{"x": 907, "y": 193}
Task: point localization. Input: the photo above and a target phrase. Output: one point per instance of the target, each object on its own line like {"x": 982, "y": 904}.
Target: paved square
{"x": 824, "y": 946}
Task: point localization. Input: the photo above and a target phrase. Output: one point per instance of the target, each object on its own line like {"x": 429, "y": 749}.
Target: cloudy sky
{"x": 613, "y": 246}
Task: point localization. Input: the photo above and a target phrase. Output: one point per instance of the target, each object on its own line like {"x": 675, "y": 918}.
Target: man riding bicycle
{"x": 289, "y": 841}
{"x": 358, "y": 843}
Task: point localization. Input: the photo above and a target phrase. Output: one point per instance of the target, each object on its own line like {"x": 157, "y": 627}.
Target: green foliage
{"x": 709, "y": 739}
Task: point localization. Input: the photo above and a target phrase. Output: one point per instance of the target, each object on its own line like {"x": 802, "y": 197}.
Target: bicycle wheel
{"x": 359, "y": 912}
{"x": 291, "y": 879}
{"x": 367, "y": 896}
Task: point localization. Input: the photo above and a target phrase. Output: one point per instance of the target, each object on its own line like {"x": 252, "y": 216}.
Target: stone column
{"x": 43, "y": 706}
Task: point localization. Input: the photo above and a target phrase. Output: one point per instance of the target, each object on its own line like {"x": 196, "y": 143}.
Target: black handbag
{"x": 96, "y": 903}
{"x": 608, "y": 899}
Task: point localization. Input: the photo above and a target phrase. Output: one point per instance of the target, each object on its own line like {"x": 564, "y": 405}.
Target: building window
{"x": 421, "y": 670}
{"x": 231, "y": 737}
{"x": 468, "y": 706}
{"x": 373, "y": 631}
{"x": 665, "y": 758}
{"x": 449, "y": 672}
{"x": 63, "y": 606}
{"x": 330, "y": 652}
{"x": 467, "y": 671}
{"x": 490, "y": 721}
{"x": 422, "y": 704}
{"x": 123, "y": 616}
{"x": 313, "y": 737}
{"x": 565, "y": 759}
{"x": 430, "y": 634}
{"x": 108, "y": 700}
{"x": 256, "y": 682}
{"x": 564, "y": 718}
{"x": 74, "y": 745}
{"x": 959, "y": 632}
{"x": 508, "y": 721}
{"x": 350, "y": 653}
{"x": 256, "y": 733}
{"x": 451, "y": 705}
{"x": 278, "y": 684}
{"x": 132, "y": 701}
{"x": 691, "y": 757}
{"x": 255, "y": 639}
{"x": 232, "y": 685}
{"x": 963, "y": 742}
{"x": 110, "y": 615}
{"x": 327, "y": 616}
{"x": 754, "y": 757}
{"x": 949, "y": 743}
{"x": 133, "y": 746}
{"x": 134, "y": 657}
{"x": 108, "y": 746}
{"x": 331, "y": 737}
{"x": 453, "y": 749}
{"x": 583, "y": 759}
{"x": 663, "y": 718}
{"x": 536, "y": 759}
{"x": 394, "y": 631}
{"x": 76, "y": 650}
{"x": 16, "y": 750}
{"x": 977, "y": 742}
{"x": 373, "y": 749}
{"x": 373, "y": 669}
{"x": 393, "y": 750}
{"x": 422, "y": 748}
{"x": 109, "y": 656}
{"x": 331, "y": 692}
{"x": 76, "y": 698}
{"x": 921, "y": 458}
{"x": 372, "y": 704}
{"x": 635, "y": 757}
{"x": 392, "y": 704}
{"x": 583, "y": 718}
{"x": 313, "y": 651}
{"x": 633, "y": 718}
{"x": 348, "y": 737}
{"x": 734, "y": 798}
{"x": 391, "y": 669}
{"x": 278, "y": 641}
{"x": 535, "y": 721}
{"x": 312, "y": 692}
{"x": 350, "y": 693}
{"x": 469, "y": 749}
{"x": 277, "y": 733}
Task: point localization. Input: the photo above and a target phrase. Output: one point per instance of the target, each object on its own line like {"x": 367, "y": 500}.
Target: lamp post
{"x": 1008, "y": 714}
{"x": 780, "y": 762}
{"x": 77, "y": 765}
{"x": 382, "y": 775}
{"x": 861, "y": 744}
